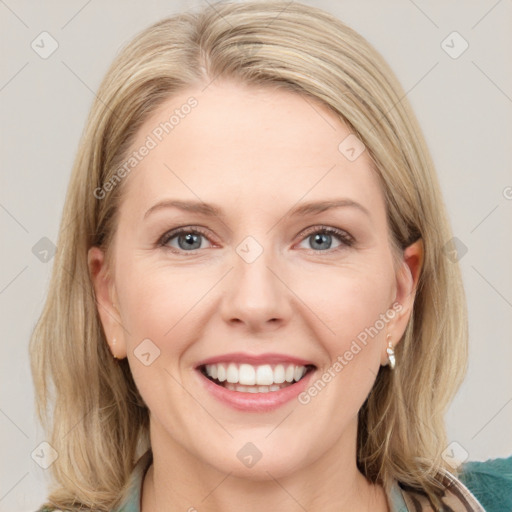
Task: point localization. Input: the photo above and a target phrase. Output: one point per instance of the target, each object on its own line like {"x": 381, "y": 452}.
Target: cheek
{"x": 351, "y": 304}
{"x": 156, "y": 300}
{"x": 347, "y": 300}
{"x": 158, "y": 305}
{"x": 339, "y": 302}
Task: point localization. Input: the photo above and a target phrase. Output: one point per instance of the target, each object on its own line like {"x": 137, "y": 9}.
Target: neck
{"x": 178, "y": 481}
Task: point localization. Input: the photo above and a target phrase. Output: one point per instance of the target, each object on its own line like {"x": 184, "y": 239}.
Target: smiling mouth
{"x": 247, "y": 378}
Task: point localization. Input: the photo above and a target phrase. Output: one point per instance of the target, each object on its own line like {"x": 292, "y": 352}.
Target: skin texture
{"x": 256, "y": 153}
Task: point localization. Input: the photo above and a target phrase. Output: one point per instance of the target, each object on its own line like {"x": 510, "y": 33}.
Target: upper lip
{"x": 255, "y": 359}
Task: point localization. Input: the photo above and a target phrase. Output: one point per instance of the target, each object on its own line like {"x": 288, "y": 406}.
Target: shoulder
{"x": 478, "y": 487}
{"x": 490, "y": 481}
{"x": 130, "y": 495}
{"x": 454, "y": 496}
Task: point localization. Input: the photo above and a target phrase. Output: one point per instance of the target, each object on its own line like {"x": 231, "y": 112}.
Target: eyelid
{"x": 344, "y": 237}
{"x": 168, "y": 235}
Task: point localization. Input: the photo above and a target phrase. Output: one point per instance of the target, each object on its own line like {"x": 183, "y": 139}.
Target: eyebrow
{"x": 302, "y": 210}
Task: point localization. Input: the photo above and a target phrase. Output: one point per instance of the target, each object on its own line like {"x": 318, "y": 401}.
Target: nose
{"x": 255, "y": 294}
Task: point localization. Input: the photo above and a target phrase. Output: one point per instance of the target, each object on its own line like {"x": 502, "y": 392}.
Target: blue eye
{"x": 187, "y": 239}
{"x": 321, "y": 239}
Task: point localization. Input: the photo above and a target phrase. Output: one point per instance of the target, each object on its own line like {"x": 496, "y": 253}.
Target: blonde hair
{"x": 87, "y": 401}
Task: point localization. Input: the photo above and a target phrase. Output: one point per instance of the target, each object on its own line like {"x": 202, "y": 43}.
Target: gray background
{"x": 464, "y": 106}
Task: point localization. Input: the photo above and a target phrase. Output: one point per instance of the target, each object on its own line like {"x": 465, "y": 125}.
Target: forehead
{"x": 242, "y": 145}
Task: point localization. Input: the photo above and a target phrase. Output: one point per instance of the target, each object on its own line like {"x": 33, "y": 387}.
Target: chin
{"x": 259, "y": 460}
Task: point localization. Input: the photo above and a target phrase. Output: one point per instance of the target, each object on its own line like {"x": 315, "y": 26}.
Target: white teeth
{"x": 232, "y": 373}
{"x": 247, "y": 375}
{"x": 221, "y": 372}
{"x": 279, "y": 375}
{"x": 255, "y": 379}
{"x": 253, "y": 389}
{"x": 299, "y": 372}
{"x": 264, "y": 375}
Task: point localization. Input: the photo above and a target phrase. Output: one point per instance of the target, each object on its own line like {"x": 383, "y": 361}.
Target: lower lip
{"x": 255, "y": 402}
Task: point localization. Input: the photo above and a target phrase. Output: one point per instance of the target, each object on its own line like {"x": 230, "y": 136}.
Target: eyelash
{"x": 345, "y": 238}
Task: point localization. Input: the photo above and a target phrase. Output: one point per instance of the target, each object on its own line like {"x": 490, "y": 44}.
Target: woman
{"x": 251, "y": 306}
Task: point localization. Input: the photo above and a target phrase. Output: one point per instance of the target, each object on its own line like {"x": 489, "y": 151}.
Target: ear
{"x": 407, "y": 279}
{"x": 106, "y": 302}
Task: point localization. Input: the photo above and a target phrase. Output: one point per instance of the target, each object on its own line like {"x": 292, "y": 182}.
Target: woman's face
{"x": 258, "y": 287}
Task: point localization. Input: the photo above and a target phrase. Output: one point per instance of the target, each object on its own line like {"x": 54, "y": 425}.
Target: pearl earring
{"x": 391, "y": 353}
{"x": 113, "y": 348}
